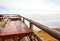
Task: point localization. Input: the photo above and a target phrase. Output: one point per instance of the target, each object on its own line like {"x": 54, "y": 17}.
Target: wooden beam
{"x": 50, "y": 31}
{"x": 31, "y": 26}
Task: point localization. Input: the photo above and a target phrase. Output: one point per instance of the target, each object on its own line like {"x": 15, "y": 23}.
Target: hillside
{"x": 45, "y": 36}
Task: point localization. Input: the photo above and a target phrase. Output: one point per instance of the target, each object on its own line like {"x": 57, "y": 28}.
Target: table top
{"x": 15, "y": 29}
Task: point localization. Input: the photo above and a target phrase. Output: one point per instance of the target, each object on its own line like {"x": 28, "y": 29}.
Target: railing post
{"x": 20, "y": 17}
{"x": 31, "y": 26}
{"x": 23, "y": 20}
{"x": 50, "y": 31}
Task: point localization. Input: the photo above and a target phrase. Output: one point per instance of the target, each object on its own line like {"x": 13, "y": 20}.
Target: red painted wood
{"x": 1, "y": 15}
{"x": 14, "y": 29}
{"x": 14, "y": 18}
{"x": 1, "y": 29}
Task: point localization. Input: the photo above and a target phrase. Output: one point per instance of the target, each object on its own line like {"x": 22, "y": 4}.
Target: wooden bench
{"x": 14, "y": 29}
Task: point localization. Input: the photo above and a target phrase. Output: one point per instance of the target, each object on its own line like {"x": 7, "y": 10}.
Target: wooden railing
{"x": 50, "y": 31}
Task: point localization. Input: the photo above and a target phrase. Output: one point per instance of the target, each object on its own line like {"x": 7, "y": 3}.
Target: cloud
{"x": 57, "y": 2}
{"x": 43, "y": 11}
{"x": 29, "y": 4}
{"x": 26, "y": 7}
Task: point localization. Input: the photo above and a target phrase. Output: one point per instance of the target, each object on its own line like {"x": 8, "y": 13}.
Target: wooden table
{"x": 15, "y": 29}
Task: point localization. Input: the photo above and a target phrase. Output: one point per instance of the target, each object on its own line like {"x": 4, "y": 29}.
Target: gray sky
{"x": 46, "y": 12}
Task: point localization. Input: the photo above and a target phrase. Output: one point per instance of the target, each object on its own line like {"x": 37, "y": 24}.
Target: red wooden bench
{"x": 15, "y": 29}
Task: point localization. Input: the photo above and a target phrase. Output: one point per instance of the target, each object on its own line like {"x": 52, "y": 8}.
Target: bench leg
{"x": 3, "y": 39}
{"x": 17, "y": 39}
{"x": 31, "y": 37}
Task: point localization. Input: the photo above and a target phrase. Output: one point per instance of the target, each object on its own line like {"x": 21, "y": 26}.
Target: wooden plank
{"x": 45, "y": 36}
{"x": 15, "y": 29}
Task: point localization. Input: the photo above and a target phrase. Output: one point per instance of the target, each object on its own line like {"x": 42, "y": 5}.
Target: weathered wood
{"x": 15, "y": 29}
{"x": 31, "y": 26}
{"x": 50, "y": 31}
{"x": 45, "y": 28}
{"x": 23, "y": 20}
{"x": 37, "y": 37}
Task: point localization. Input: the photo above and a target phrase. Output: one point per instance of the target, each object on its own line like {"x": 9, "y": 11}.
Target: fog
{"x": 46, "y": 12}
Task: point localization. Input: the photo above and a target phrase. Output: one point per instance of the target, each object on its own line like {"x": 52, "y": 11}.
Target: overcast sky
{"x": 46, "y": 12}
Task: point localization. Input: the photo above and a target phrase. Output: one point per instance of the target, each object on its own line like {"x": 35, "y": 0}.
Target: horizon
{"x": 46, "y": 12}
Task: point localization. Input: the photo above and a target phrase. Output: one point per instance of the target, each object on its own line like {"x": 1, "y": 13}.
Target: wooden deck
{"x": 14, "y": 28}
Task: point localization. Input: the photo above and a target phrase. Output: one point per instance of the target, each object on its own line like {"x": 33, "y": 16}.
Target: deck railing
{"x": 50, "y": 31}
